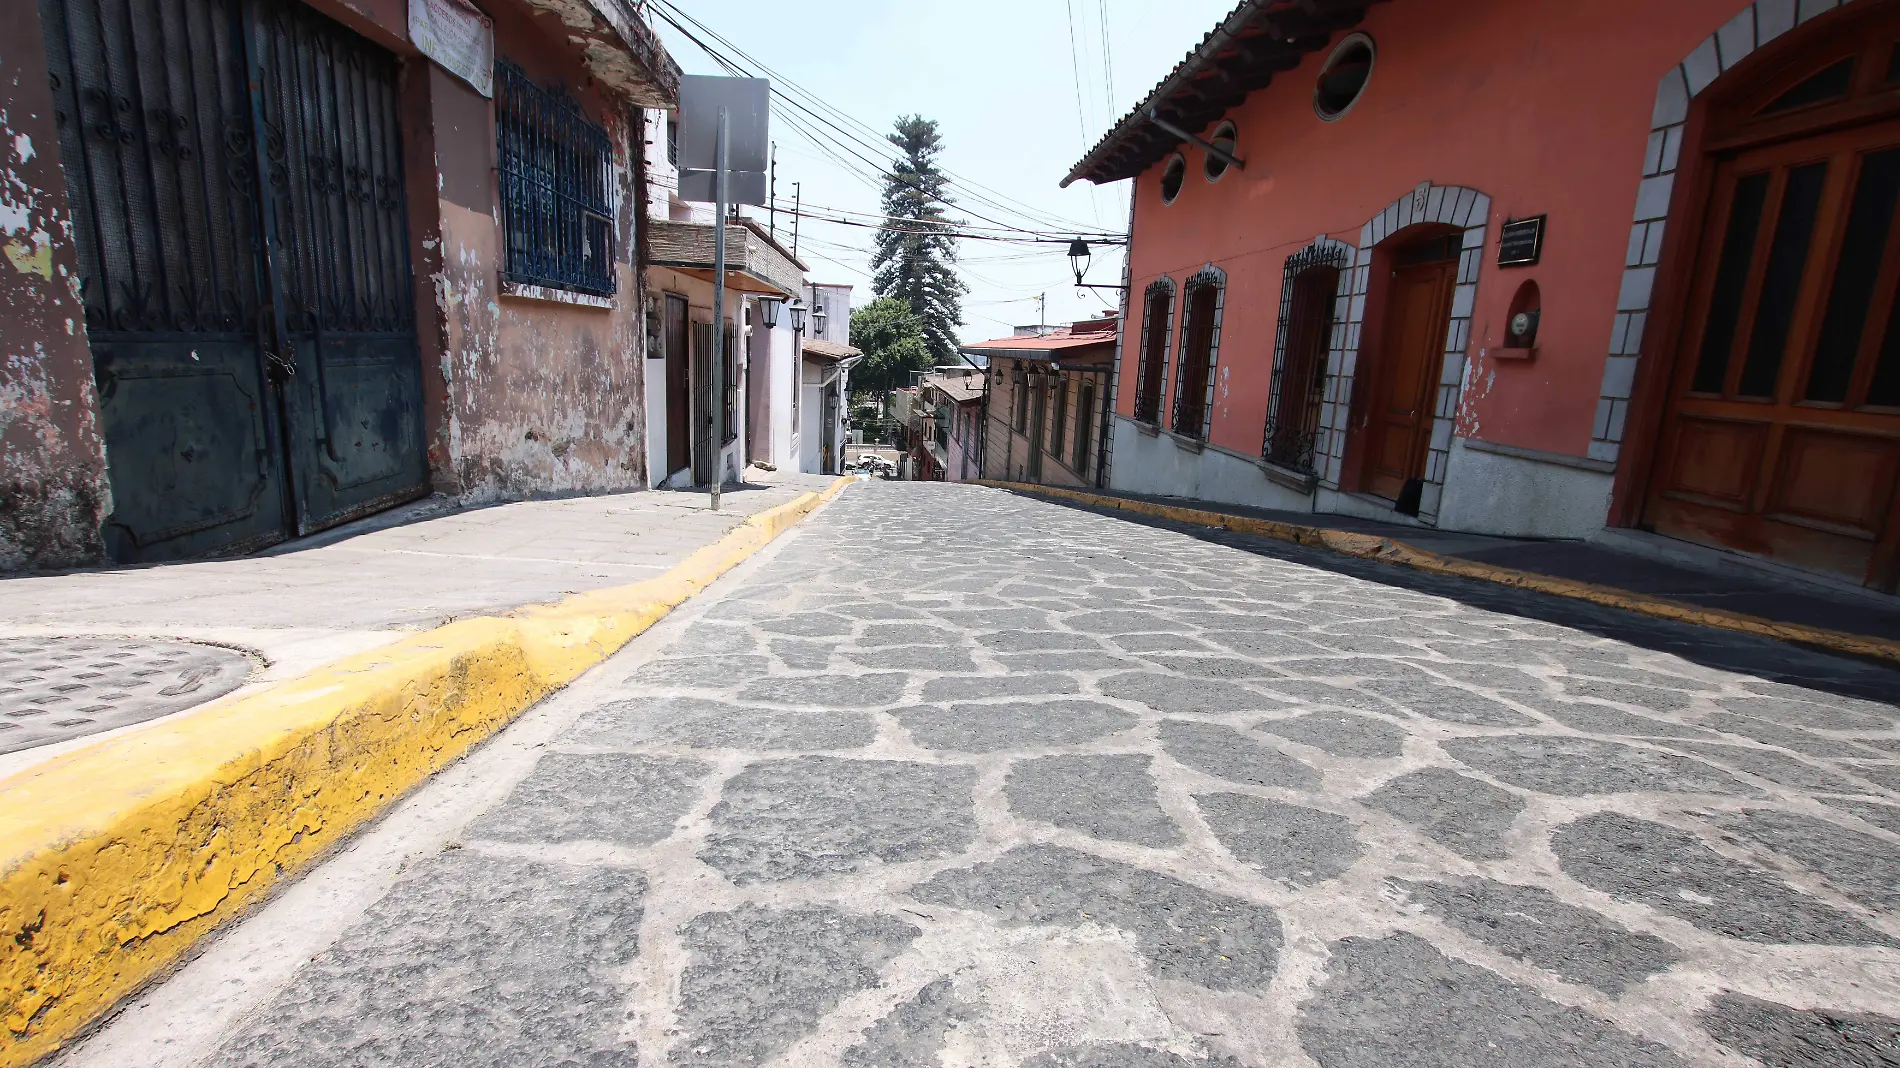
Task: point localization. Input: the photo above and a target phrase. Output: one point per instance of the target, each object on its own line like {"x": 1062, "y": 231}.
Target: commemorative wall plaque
{"x": 1521, "y": 242}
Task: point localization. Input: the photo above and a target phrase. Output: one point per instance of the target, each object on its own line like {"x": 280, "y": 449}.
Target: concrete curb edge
{"x": 1392, "y": 551}
{"x": 115, "y": 858}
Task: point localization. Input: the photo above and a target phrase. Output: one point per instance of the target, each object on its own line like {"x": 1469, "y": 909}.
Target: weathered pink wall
{"x": 1544, "y": 105}
{"x": 53, "y": 491}
{"x": 527, "y": 397}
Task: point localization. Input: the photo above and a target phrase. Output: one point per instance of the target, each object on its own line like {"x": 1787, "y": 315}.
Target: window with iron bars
{"x": 1308, "y": 289}
{"x": 556, "y": 170}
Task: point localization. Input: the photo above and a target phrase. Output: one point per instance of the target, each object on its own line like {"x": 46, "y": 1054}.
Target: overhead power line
{"x": 851, "y": 136}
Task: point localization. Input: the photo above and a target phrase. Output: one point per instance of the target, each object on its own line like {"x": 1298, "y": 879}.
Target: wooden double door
{"x": 1398, "y": 430}
{"x": 1782, "y": 433}
{"x": 234, "y": 169}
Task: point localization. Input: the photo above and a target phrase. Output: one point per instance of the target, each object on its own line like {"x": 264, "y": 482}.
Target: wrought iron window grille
{"x": 556, "y": 169}
{"x": 1157, "y": 321}
{"x": 1202, "y": 300}
{"x": 1309, "y": 288}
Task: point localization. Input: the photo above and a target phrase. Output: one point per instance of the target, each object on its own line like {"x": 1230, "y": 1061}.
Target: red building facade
{"x": 1686, "y": 331}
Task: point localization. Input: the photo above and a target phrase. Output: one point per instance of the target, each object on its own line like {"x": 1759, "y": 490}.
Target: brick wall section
{"x": 1449, "y": 205}
{"x": 1758, "y": 23}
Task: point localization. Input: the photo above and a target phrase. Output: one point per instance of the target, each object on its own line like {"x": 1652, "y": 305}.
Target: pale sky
{"x": 1000, "y": 78}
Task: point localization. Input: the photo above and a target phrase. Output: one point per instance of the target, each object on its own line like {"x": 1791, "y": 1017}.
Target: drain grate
{"x": 53, "y": 689}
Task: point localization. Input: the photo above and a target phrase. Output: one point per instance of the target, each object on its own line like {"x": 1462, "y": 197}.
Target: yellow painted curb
{"x": 114, "y": 858}
{"x": 1392, "y": 551}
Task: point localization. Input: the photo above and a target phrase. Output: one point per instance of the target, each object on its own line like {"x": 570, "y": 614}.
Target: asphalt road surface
{"x": 955, "y": 777}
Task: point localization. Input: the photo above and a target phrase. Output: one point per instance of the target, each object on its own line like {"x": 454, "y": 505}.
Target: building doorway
{"x": 1411, "y": 356}
{"x": 1038, "y": 416}
{"x": 237, "y": 193}
{"x": 1781, "y": 436}
{"x": 679, "y": 395}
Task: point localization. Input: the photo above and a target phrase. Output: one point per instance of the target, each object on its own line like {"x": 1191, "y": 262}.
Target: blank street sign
{"x": 748, "y": 105}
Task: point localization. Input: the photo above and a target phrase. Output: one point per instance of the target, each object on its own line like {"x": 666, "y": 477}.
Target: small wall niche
{"x": 1520, "y": 324}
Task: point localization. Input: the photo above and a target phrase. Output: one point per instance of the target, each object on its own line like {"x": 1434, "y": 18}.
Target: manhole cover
{"x": 52, "y": 689}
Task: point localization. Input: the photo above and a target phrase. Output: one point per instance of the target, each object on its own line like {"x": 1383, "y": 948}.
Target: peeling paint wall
{"x": 53, "y": 490}
{"x": 533, "y": 393}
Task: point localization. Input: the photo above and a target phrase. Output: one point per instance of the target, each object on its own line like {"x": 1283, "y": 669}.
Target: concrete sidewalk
{"x": 119, "y": 849}
{"x": 369, "y": 583}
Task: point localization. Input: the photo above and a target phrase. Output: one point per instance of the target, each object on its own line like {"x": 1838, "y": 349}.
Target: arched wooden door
{"x": 1782, "y": 436}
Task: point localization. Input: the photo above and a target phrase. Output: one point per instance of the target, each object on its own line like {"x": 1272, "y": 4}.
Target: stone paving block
{"x": 1452, "y": 704}
{"x": 760, "y": 979}
{"x": 830, "y": 691}
{"x": 1106, "y": 796}
{"x": 1077, "y": 660}
{"x": 878, "y": 634}
{"x": 1841, "y": 715}
{"x": 703, "y": 724}
{"x": 1531, "y": 925}
{"x": 1228, "y": 754}
{"x": 1215, "y": 667}
{"x": 1887, "y": 776}
{"x": 1025, "y": 641}
{"x": 1341, "y": 734}
{"x": 1593, "y": 718}
{"x": 1886, "y": 817}
{"x": 621, "y": 798}
{"x": 1308, "y": 693}
{"x": 990, "y": 728}
{"x": 1859, "y": 866}
{"x": 805, "y": 655}
{"x": 808, "y": 625}
{"x": 1124, "y": 1055}
{"x": 1784, "y": 1037}
{"x": 1396, "y": 1001}
{"x": 471, "y": 960}
{"x": 1672, "y": 871}
{"x": 1577, "y": 767}
{"x": 1168, "y": 693}
{"x": 978, "y": 687}
{"x": 915, "y": 1032}
{"x": 714, "y": 671}
{"x": 1185, "y": 932}
{"x": 1653, "y": 698}
{"x": 913, "y": 658}
{"x": 1768, "y": 764}
{"x": 1466, "y": 815}
{"x": 809, "y": 817}
{"x": 1161, "y": 643}
{"x": 1289, "y": 843}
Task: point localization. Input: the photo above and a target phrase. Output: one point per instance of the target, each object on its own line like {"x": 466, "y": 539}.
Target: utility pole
{"x": 718, "y": 360}
{"x": 771, "y": 197}
{"x": 1042, "y": 314}
{"x": 797, "y": 192}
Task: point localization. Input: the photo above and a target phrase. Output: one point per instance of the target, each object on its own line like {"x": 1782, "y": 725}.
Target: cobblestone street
{"x": 951, "y": 776}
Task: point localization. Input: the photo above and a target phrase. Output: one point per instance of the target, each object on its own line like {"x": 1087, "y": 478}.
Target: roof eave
{"x": 1240, "y": 56}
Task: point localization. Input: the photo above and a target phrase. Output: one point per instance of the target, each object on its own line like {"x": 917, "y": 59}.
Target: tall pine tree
{"x": 916, "y": 258}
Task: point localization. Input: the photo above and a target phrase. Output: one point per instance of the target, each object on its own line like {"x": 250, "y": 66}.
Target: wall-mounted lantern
{"x": 768, "y": 313}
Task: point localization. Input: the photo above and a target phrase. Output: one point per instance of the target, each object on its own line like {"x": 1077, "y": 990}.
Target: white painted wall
{"x": 1156, "y": 464}
{"x": 656, "y": 415}
{"x": 1513, "y": 496}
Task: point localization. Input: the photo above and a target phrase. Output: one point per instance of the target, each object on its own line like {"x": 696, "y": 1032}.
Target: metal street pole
{"x": 718, "y": 360}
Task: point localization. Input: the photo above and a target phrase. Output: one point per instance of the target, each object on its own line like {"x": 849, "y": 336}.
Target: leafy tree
{"x": 893, "y": 342}
{"x": 916, "y": 257}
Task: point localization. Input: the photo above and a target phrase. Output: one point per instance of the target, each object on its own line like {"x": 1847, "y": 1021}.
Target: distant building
{"x": 1047, "y": 406}
{"x": 760, "y": 369}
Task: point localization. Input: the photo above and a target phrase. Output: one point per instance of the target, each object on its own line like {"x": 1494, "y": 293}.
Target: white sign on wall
{"x": 458, "y": 38}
